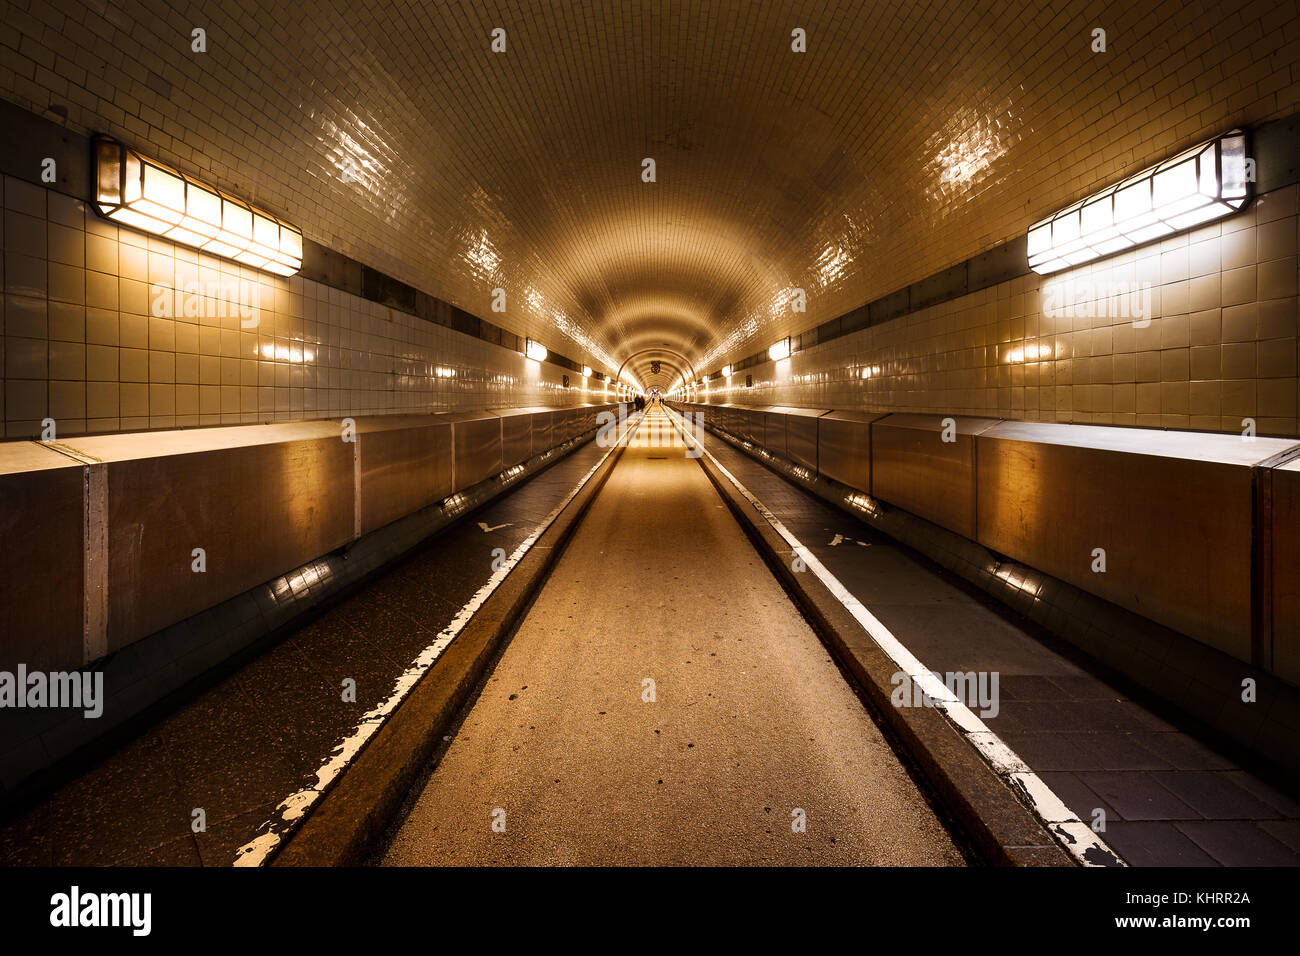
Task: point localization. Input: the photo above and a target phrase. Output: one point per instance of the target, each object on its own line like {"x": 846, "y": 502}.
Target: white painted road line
{"x": 1076, "y": 836}
{"x": 293, "y": 809}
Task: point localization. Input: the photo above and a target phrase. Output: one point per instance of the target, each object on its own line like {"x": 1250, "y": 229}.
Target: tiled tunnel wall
{"x": 1220, "y": 347}
{"x": 108, "y": 329}
{"x": 520, "y": 171}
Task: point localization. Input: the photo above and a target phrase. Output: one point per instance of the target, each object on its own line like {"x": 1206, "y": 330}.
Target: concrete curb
{"x": 1003, "y": 831}
{"x": 350, "y": 819}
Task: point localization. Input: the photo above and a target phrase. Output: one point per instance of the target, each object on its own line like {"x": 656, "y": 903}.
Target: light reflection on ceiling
{"x": 483, "y": 258}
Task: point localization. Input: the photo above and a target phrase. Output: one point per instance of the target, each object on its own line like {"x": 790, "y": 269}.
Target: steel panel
{"x": 542, "y": 431}
{"x": 562, "y": 425}
{"x": 476, "y": 437}
{"x": 798, "y": 429}
{"x": 1286, "y": 571}
{"x": 772, "y": 433}
{"x": 844, "y": 448}
{"x": 516, "y": 436}
{"x": 1172, "y": 512}
{"x": 559, "y": 426}
{"x": 584, "y": 420}
{"x": 259, "y": 499}
{"x": 730, "y": 420}
{"x": 751, "y": 423}
{"x": 756, "y": 424}
{"x": 719, "y": 416}
{"x": 735, "y": 421}
{"x": 406, "y": 465}
{"x": 913, "y": 468}
{"x": 41, "y": 560}
{"x": 716, "y": 416}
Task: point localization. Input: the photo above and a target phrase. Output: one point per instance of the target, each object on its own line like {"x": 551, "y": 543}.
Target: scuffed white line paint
{"x": 291, "y": 811}
{"x": 1075, "y": 835}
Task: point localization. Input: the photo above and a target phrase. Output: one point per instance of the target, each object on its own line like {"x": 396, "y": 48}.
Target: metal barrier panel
{"x": 844, "y": 448}
{"x": 477, "y": 440}
{"x": 257, "y": 500}
{"x": 41, "y": 561}
{"x": 406, "y": 464}
{"x": 926, "y": 465}
{"x": 1286, "y": 571}
{"x": 1169, "y": 514}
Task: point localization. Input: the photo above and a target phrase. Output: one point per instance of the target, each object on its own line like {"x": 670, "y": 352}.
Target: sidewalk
{"x": 1168, "y": 799}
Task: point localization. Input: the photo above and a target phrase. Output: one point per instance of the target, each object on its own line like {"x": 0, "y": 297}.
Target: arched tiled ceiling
{"x": 671, "y": 372}
{"x": 909, "y": 136}
{"x": 673, "y": 366}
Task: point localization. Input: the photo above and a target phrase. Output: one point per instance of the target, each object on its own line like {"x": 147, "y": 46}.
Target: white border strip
{"x": 1075, "y": 835}
{"x": 291, "y": 811}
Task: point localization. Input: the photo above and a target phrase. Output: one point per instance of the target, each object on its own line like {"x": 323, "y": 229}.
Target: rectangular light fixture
{"x": 534, "y": 350}
{"x": 153, "y": 197}
{"x": 1197, "y": 186}
{"x": 780, "y": 350}
{"x": 726, "y": 371}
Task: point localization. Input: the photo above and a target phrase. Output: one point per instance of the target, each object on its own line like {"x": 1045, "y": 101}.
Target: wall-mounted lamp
{"x": 148, "y": 195}
{"x": 586, "y": 372}
{"x": 726, "y": 371}
{"x": 534, "y": 350}
{"x": 780, "y": 350}
{"x": 1199, "y": 185}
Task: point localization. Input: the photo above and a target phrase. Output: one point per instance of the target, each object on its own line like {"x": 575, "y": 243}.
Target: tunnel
{"x": 612, "y": 435}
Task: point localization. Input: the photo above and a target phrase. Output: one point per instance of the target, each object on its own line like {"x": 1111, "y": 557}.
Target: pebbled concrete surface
{"x": 751, "y": 719}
